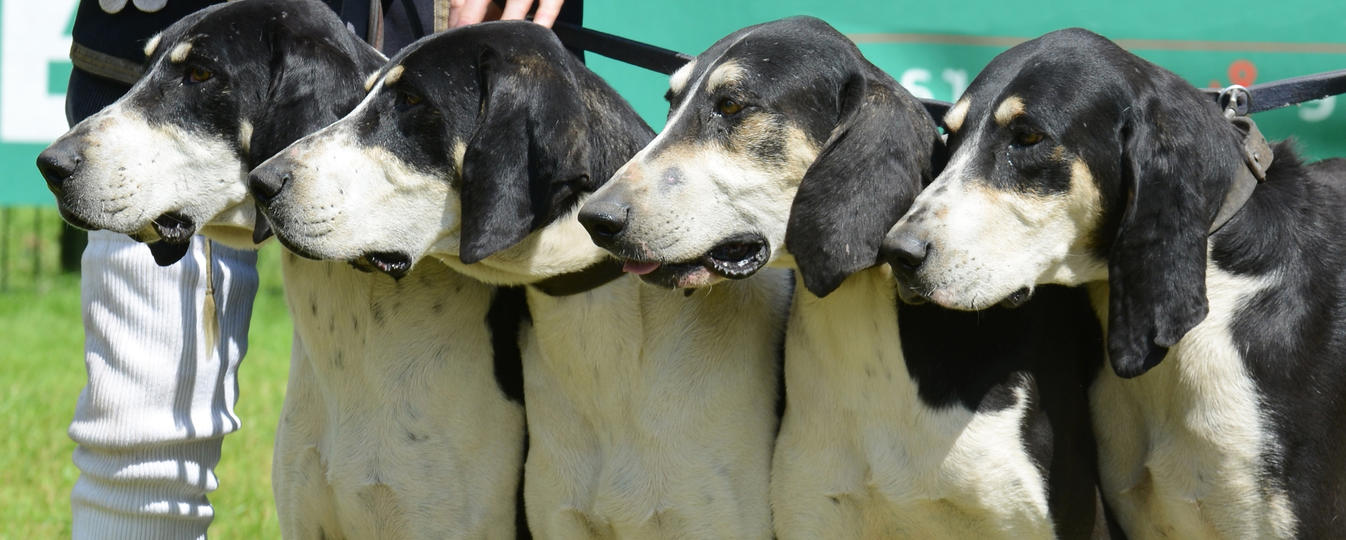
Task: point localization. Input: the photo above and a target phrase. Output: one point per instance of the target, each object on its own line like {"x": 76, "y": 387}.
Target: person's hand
{"x": 464, "y": 12}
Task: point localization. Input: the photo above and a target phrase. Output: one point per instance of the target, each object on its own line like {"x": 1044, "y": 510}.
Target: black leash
{"x": 1276, "y": 94}
{"x": 657, "y": 59}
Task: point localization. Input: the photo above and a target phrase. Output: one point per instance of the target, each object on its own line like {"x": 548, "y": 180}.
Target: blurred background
{"x": 932, "y": 48}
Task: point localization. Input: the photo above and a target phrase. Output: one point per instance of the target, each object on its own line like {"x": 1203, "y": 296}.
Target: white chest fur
{"x": 393, "y": 425}
{"x": 651, "y": 414}
{"x": 1181, "y": 447}
{"x": 860, "y": 456}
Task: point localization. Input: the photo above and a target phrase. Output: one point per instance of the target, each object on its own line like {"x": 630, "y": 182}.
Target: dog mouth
{"x": 174, "y": 228}
{"x": 912, "y": 295}
{"x": 736, "y": 258}
{"x": 74, "y": 219}
{"x": 395, "y": 264}
{"x": 1017, "y": 298}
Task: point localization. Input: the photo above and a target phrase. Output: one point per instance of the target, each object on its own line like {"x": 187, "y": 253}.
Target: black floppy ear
{"x": 865, "y": 177}
{"x": 1175, "y": 159}
{"x": 528, "y": 158}
{"x": 312, "y": 84}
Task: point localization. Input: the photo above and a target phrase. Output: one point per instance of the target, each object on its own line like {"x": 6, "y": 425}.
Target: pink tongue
{"x": 639, "y": 268}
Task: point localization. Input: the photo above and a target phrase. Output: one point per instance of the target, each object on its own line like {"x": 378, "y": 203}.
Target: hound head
{"x": 1074, "y": 161}
{"x": 468, "y": 146}
{"x": 781, "y": 138}
{"x": 224, "y": 88}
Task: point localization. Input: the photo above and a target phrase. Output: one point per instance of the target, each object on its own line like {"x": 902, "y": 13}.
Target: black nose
{"x": 604, "y": 219}
{"x": 59, "y": 162}
{"x": 905, "y": 251}
{"x": 265, "y": 183}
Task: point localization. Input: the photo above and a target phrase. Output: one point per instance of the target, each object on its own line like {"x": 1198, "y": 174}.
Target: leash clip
{"x": 1236, "y": 101}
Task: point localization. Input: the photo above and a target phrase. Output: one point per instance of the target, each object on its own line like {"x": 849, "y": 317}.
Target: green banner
{"x": 936, "y": 48}
{"x": 932, "y": 48}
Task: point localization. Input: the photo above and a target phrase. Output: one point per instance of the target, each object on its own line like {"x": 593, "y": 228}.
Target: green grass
{"x": 42, "y": 372}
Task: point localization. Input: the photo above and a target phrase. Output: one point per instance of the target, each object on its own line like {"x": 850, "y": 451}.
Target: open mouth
{"x": 736, "y": 258}
{"x": 174, "y": 228}
{"x": 392, "y": 263}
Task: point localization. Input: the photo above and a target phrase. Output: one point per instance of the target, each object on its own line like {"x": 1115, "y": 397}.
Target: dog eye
{"x": 1027, "y": 138}
{"x": 199, "y": 75}
{"x": 408, "y": 99}
{"x": 728, "y": 107}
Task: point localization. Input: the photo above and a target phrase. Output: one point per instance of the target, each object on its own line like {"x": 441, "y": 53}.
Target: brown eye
{"x": 199, "y": 75}
{"x": 728, "y": 107}
{"x": 410, "y": 100}
{"x": 1027, "y": 138}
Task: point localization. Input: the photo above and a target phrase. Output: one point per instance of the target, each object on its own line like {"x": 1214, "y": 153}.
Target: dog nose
{"x": 905, "y": 251}
{"x": 58, "y": 163}
{"x": 604, "y": 219}
{"x": 265, "y": 183}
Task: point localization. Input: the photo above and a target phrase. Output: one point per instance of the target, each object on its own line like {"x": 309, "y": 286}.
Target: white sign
{"x": 32, "y": 37}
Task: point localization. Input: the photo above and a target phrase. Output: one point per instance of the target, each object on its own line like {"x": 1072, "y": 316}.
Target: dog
{"x": 395, "y": 422}
{"x": 651, "y": 413}
{"x": 785, "y": 147}
{"x": 1078, "y": 163}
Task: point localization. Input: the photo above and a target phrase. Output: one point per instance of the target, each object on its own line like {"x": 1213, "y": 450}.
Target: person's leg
{"x": 161, "y": 348}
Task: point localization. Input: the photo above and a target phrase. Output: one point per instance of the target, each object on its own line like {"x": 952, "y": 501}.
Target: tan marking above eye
{"x": 179, "y": 53}
{"x": 953, "y": 120}
{"x": 1008, "y": 110}
{"x": 370, "y": 80}
{"x": 727, "y": 73}
{"x": 394, "y": 75}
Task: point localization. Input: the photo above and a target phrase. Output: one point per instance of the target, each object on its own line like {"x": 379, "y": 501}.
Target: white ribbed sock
{"x": 161, "y": 347}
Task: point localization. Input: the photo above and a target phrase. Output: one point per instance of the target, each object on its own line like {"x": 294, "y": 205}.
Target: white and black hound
{"x": 786, "y": 147}
{"x": 651, "y": 412}
{"x": 1076, "y": 162}
{"x": 394, "y": 425}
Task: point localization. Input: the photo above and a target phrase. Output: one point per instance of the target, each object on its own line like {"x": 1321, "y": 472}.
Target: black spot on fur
{"x": 509, "y": 308}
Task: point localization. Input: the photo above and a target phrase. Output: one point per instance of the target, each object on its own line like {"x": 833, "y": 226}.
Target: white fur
{"x": 678, "y": 80}
{"x": 153, "y": 44}
{"x": 861, "y": 456}
{"x": 392, "y": 429}
{"x": 987, "y": 243}
{"x": 1181, "y": 447}
{"x": 344, "y": 200}
{"x": 135, "y": 171}
{"x": 393, "y": 424}
{"x": 651, "y": 414}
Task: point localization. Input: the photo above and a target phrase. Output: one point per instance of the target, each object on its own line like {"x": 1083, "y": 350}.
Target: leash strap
{"x": 656, "y": 59}
{"x": 1257, "y": 158}
{"x": 659, "y": 59}
{"x": 1295, "y": 90}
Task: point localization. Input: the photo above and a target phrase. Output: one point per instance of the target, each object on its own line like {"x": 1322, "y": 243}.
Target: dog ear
{"x": 871, "y": 168}
{"x": 303, "y": 71}
{"x": 527, "y": 159}
{"x": 1175, "y": 158}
